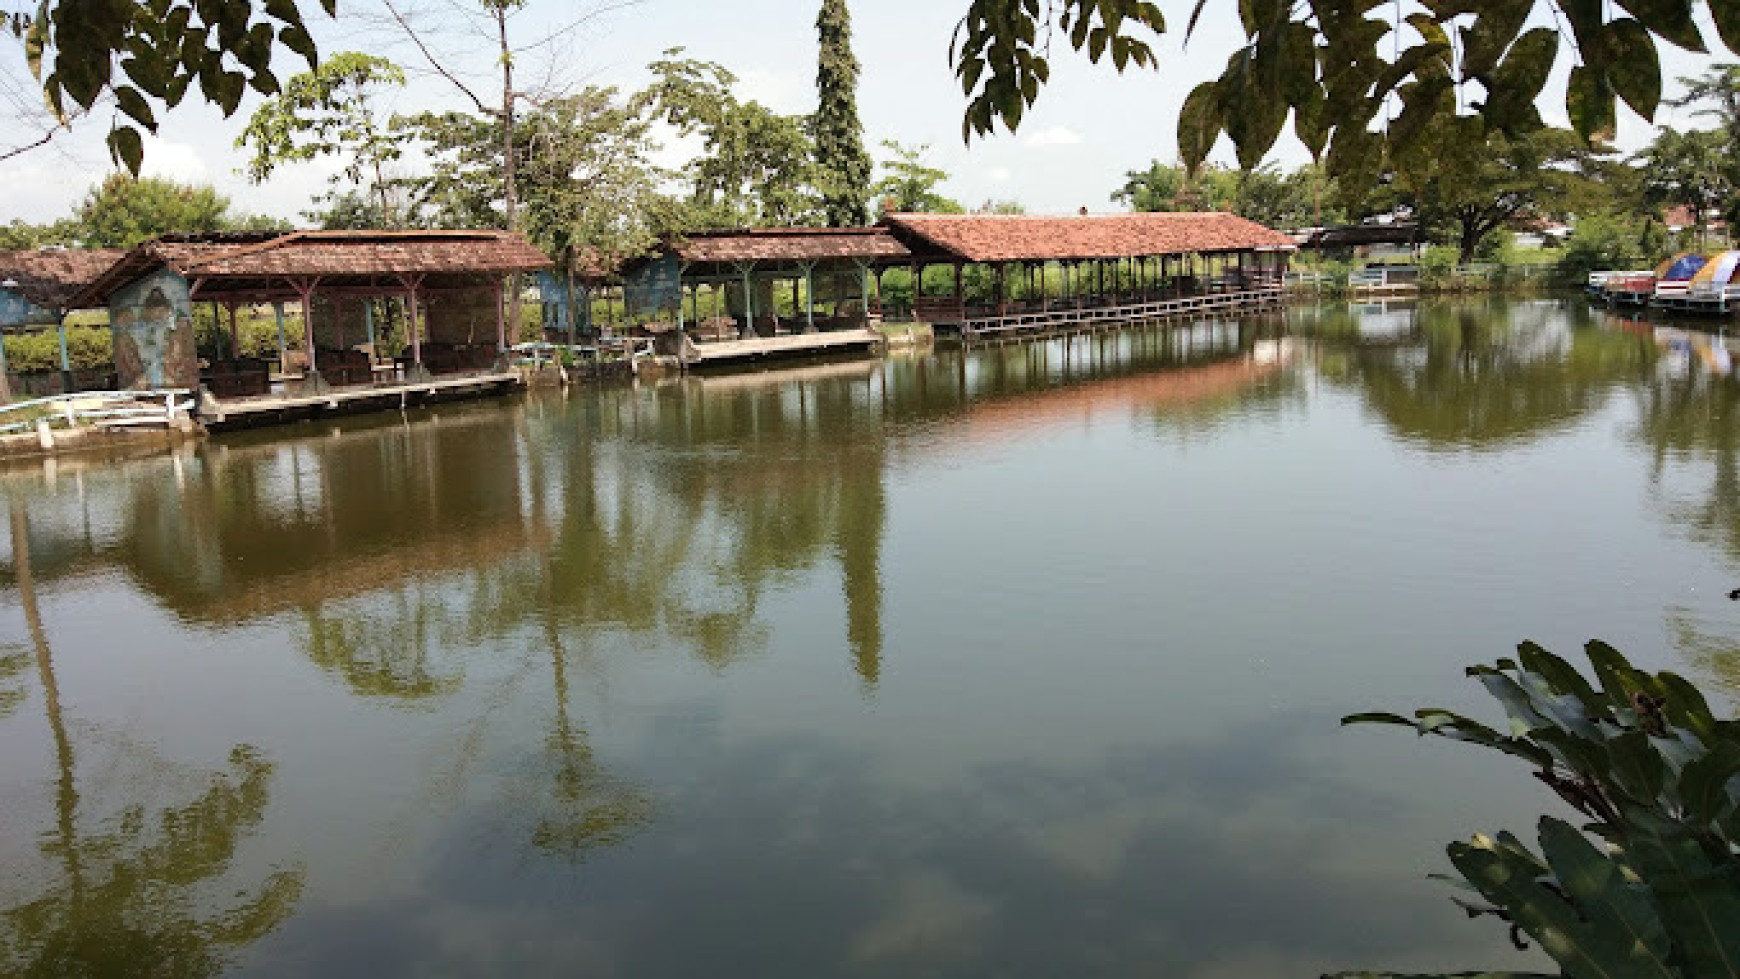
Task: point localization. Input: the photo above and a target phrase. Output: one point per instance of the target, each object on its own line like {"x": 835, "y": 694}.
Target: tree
{"x": 757, "y": 166}
{"x": 1164, "y": 187}
{"x": 1264, "y": 195}
{"x": 1334, "y": 69}
{"x": 1326, "y": 60}
{"x": 1715, "y": 94}
{"x": 20, "y": 235}
{"x": 909, "y": 186}
{"x": 496, "y": 17}
{"x": 1472, "y": 183}
{"x": 1691, "y": 169}
{"x": 330, "y": 111}
{"x": 123, "y": 211}
{"x": 591, "y": 186}
{"x": 839, "y": 136}
{"x": 147, "y": 55}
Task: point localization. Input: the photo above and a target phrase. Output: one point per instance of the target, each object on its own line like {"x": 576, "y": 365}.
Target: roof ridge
{"x": 243, "y": 251}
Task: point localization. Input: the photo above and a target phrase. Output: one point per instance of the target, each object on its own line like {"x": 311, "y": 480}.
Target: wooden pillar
{"x": 411, "y": 283}
{"x": 66, "y": 381}
{"x": 809, "y": 297}
{"x": 305, "y": 289}
{"x": 369, "y": 325}
{"x": 283, "y": 344}
{"x": 5, "y": 381}
{"x": 748, "y": 302}
{"x": 501, "y": 343}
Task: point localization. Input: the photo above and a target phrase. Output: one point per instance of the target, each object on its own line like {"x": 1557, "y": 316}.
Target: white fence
{"x": 97, "y": 409}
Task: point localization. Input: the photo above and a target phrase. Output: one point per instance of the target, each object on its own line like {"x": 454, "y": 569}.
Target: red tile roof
{"x": 332, "y": 255}
{"x": 788, "y": 245}
{"x": 1024, "y": 237}
{"x": 51, "y": 277}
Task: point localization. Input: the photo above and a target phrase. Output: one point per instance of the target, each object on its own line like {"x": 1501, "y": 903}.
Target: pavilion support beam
{"x": 747, "y": 270}
{"x": 369, "y": 326}
{"x": 411, "y": 283}
{"x": 809, "y": 297}
{"x": 311, "y": 380}
{"x": 235, "y": 332}
{"x": 5, "y": 381}
{"x": 682, "y": 269}
{"x": 863, "y": 289}
{"x": 501, "y": 318}
{"x": 283, "y": 344}
{"x": 66, "y": 378}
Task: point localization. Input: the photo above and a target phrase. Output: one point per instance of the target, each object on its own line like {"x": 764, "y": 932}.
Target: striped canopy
{"x": 1680, "y": 268}
{"x": 1720, "y": 270}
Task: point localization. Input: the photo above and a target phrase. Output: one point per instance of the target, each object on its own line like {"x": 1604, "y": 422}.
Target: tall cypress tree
{"x": 839, "y": 136}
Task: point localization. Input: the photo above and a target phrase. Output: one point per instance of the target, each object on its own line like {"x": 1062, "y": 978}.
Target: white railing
{"x": 104, "y": 409}
{"x": 541, "y": 354}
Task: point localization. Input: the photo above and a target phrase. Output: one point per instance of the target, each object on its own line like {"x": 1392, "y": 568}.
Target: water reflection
{"x": 1009, "y": 663}
{"x": 126, "y": 889}
{"x": 1480, "y": 376}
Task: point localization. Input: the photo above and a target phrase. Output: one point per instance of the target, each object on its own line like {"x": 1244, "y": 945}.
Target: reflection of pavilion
{"x": 253, "y": 530}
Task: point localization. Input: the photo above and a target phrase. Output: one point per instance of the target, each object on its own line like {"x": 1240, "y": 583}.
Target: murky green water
{"x": 1023, "y": 665}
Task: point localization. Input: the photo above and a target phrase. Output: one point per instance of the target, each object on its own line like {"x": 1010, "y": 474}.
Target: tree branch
{"x": 435, "y": 63}
{"x": 27, "y": 147}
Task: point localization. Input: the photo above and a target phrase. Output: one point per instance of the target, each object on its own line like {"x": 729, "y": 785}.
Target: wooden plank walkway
{"x": 723, "y": 352}
{"x": 215, "y": 413}
{"x": 1037, "y": 323}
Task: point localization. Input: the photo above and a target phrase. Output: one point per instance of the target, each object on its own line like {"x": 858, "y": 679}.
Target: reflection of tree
{"x": 383, "y": 650}
{"x": 1716, "y": 654}
{"x": 589, "y": 807}
{"x": 1482, "y": 377}
{"x": 129, "y": 900}
{"x": 1697, "y": 417}
{"x": 12, "y": 667}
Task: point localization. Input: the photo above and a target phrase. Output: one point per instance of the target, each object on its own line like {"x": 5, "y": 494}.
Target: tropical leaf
{"x": 1699, "y": 898}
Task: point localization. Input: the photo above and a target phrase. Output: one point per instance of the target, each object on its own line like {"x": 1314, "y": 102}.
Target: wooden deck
{"x": 1036, "y": 323}
{"x": 720, "y": 353}
{"x": 280, "y": 408}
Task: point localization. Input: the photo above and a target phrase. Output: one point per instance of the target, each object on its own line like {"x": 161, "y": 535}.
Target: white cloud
{"x": 999, "y": 175}
{"x": 1053, "y": 136}
{"x": 172, "y": 160}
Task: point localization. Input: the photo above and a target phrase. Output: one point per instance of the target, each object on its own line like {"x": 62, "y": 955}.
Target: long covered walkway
{"x": 1023, "y": 275}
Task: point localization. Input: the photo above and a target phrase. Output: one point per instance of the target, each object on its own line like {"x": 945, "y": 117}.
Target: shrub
{"x": 1650, "y": 884}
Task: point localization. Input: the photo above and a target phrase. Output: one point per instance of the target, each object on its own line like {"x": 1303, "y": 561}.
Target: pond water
{"x": 1022, "y": 663}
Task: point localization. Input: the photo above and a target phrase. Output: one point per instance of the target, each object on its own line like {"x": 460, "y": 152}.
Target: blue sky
{"x": 1090, "y": 127}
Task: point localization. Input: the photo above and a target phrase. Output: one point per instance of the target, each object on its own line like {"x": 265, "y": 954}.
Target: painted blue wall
{"x": 152, "y": 322}
{"x": 15, "y": 310}
{"x": 655, "y": 288}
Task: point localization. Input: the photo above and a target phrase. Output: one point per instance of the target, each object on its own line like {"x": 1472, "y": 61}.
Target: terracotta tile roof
{"x": 1017, "y": 237}
{"x": 329, "y": 254}
{"x": 52, "y": 277}
{"x": 789, "y": 245}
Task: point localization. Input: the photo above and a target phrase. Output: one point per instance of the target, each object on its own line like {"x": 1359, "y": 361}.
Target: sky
{"x": 1090, "y": 127}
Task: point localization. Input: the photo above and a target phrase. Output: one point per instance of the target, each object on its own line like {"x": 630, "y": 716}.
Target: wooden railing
{"x": 1061, "y": 316}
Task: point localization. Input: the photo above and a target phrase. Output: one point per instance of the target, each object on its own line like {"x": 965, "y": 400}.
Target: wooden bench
{"x": 241, "y": 378}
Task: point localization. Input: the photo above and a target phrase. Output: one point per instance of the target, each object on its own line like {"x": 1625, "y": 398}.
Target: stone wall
{"x": 461, "y": 318}
{"x": 340, "y": 322}
{"x": 152, "y": 323}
